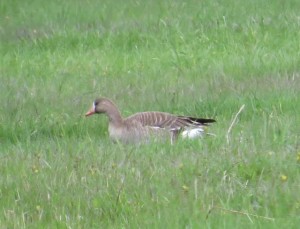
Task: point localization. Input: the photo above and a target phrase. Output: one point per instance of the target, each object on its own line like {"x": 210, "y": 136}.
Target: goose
{"x": 142, "y": 127}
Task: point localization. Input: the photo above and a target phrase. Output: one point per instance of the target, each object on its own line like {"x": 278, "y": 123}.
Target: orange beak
{"x": 90, "y": 112}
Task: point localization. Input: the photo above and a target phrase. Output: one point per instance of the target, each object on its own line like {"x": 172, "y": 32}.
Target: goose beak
{"x": 90, "y": 112}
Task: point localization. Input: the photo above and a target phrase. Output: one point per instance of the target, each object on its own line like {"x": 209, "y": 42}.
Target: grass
{"x": 208, "y": 58}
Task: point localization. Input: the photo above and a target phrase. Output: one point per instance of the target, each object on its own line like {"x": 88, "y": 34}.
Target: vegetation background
{"x": 201, "y": 58}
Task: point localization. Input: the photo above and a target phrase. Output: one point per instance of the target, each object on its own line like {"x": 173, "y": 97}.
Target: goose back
{"x": 167, "y": 120}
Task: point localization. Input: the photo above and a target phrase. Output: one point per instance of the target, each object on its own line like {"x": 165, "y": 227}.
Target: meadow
{"x": 59, "y": 169}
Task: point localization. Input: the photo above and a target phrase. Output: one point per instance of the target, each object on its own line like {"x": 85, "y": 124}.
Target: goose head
{"x": 101, "y": 105}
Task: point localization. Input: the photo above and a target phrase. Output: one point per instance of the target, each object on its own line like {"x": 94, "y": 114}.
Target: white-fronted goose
{"x": 143, "y": 126}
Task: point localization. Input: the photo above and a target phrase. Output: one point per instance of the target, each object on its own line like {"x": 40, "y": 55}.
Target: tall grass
{"x": 200, "y": 58}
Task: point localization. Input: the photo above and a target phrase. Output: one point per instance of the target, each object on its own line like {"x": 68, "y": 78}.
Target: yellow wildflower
{"x": 283, "y": 178}
{"x": 35, "y": 169}
{"x": 185, "y": 188}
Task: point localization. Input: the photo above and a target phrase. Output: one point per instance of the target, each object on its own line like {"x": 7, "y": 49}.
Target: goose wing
{"x": 167, "y": 120}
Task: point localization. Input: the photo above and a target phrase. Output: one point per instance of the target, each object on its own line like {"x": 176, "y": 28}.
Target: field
{"x": 200, "y": 58}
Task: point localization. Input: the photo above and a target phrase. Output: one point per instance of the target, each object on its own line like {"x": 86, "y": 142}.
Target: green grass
{"x": 199, "y": 58}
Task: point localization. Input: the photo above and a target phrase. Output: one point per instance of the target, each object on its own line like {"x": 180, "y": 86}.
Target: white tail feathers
{"x": 193, "y": 133}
